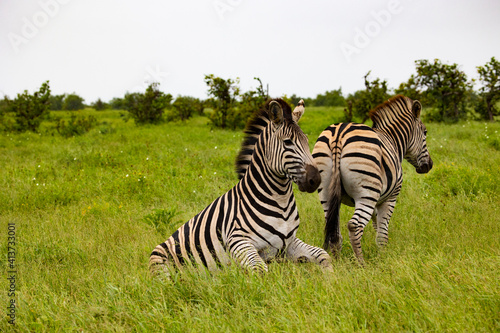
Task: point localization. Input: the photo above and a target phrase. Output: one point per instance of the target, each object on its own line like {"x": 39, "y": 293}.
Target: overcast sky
{"x": 102, "y": 49}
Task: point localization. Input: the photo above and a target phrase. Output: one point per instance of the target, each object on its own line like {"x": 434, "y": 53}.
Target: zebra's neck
{"x": 394, "y": 133}
{"x": 261, "y": 182}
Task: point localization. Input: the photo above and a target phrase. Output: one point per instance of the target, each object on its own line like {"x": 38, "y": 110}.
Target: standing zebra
{"x": 257, "y": 219}
{"x": 361, "y": 167}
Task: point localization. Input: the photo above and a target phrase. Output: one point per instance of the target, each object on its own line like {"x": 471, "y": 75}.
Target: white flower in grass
{"x": 126, "y": 175}
{"x": 34, "y": 178}
{"x": 147, "y": 158}
{"x": 38, "y": 165}
{"x": 74, "y": 159}
{"x": 215, "y": 173}
{"x": 215, "y": 147}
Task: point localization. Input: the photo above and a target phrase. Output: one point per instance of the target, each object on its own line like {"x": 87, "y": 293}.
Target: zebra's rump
{"x": 350, "y": 152}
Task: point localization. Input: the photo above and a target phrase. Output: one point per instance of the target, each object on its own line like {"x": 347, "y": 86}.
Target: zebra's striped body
{"x": 361, "y": 167}
{"x": 257, "y": 219}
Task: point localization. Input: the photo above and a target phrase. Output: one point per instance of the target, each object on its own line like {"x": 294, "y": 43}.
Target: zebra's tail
{"x": 330, "y": 190}
{"x": 333, "y": 238}
{"x": 158, "y": 261}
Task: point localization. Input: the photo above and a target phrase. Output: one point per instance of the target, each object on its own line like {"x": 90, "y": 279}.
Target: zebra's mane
{"x": 395, "y": 105}
{"x": 254, "y": 127}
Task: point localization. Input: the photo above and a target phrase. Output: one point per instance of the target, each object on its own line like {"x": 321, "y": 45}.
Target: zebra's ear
{"x": 416, "y": 108}
{"x": 298, "y": 111}
{"x": 275, "y": 113}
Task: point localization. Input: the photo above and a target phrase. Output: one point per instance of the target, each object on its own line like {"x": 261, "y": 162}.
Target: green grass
{"x": 87, "y": 210}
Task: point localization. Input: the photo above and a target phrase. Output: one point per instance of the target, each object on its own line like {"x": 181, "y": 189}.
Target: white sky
{"x": 101, "y": 49}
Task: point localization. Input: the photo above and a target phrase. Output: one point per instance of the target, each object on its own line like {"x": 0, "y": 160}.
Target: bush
{"x": 330, "y": 98}
{"x": 228, "y": 111}
{"x": 162, "y": 220}
{"x": 56, "y": 102}
{"x": 147, "y": 108}
{"x": 362, "y": 101}
{"x": 250, "y": 101}
{"x": 224, "y": 93}
{"x": 73, "y": 102}
{"x": 118, "y": 104}
{"x": 30, "y": 110}
{"x": 100, "y": 105}
{"x": 182, "y": 108}
{"x": 76, "y": 125}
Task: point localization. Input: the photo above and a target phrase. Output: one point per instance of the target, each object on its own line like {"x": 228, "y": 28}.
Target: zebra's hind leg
{"x": 356, "y": 226}
{"x": 384, "y": 214}
{"x": 374, "y": 220}
{"x": 299, "y": 251}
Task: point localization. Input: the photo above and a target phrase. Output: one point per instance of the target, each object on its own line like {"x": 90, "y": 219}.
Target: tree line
{"x": 443, "y": 88}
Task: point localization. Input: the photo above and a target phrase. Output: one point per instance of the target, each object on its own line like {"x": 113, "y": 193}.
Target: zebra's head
{"x": 288, "y": 153}
{"x": 417, "y": 153}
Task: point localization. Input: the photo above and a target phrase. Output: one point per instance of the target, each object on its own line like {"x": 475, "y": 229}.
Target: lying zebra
{"x": 257, "y": 219}
{"x": 361, "y": 167}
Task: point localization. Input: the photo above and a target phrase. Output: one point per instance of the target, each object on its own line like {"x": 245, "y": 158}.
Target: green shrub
{"x": 75, "y": 125}
{"x": 147, "y": 108}
{"x": 161, "y": 219}
{"x": 182, "y": 108}
{"x": 30, "y": 110}
{"x": 224, "y": 94}
{"x": 73, "y": 102}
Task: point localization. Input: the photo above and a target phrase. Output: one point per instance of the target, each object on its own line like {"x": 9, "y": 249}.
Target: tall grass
{"x": 87, "y": 211}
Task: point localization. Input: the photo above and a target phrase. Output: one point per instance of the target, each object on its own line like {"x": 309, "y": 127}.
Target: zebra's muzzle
{"x": 426, "y": 167}
{"x": 311, "y": 179}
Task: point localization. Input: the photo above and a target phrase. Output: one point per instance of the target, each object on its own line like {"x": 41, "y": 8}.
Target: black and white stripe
{"x": 361, "y": 167}
{"x": 257, "y": 219}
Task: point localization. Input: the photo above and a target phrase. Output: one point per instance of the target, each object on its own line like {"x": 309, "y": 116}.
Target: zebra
{"x": 360, "y": 167}
{"x": 257, "y": 219}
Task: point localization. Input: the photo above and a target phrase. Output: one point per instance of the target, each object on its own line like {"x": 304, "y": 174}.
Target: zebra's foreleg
{"x": 385, "y": 211}
{"x": 299, "y": 251}
{"x": 356, "y": 227}
{"x": 246, "y": 255}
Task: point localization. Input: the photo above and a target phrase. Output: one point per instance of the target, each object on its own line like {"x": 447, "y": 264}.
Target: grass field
{"x": 88, "y": 210}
